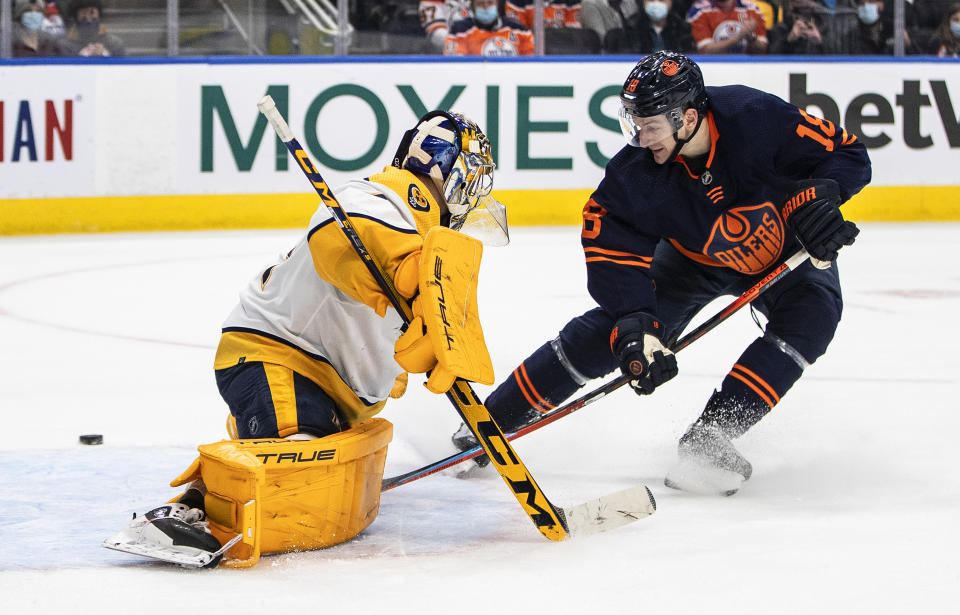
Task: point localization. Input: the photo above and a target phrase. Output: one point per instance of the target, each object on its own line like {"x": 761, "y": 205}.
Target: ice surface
{"x": 853, "y": 506}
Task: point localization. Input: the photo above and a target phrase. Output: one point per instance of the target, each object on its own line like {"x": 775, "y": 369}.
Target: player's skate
{"x": 464, "y": 440}
{"x": 708, "y": 462}
{"x": 175, "y": 533}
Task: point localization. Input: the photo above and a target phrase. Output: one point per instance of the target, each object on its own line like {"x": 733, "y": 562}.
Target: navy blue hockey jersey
{"x": 730, "y": 214}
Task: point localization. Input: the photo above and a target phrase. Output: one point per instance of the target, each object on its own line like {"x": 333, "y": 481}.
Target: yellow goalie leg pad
{"x": 284, "y": 495}
{"x": 449, "y": 271}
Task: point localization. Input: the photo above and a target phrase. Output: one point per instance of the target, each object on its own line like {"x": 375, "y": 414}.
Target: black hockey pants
{"x": 803, "y": 310}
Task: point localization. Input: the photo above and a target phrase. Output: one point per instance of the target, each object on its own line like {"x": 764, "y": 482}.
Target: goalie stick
{"x": 553, "y": 522}
{"x": 542, "y": 421}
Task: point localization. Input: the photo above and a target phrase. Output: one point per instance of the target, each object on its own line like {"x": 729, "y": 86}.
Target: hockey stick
{"x": 553, "y": 522}
{"x": 747, "y": 297}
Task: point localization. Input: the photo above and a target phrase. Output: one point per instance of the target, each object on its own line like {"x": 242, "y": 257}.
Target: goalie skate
{"x": 464, "y": 440}
{"x": 173, "y": 533}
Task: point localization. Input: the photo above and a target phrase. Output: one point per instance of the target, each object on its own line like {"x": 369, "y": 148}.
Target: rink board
{"x": 148, "y": 144}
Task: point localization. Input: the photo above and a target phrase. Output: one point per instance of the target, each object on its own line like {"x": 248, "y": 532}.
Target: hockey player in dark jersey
{"x": 716, "y": 186}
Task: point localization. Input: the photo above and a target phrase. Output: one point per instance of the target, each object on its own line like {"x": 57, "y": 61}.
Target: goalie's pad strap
{"x": 449, "y": 270}
{"x": 282, "y": 495}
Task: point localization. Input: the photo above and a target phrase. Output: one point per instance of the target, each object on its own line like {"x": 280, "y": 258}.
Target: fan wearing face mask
{"x": 29, "y": 38}
{"x": 946, "y": 40}
{"x": 658, "y": 28}
{"x": 488, "y": 33}
{"x": 88, "y": 36}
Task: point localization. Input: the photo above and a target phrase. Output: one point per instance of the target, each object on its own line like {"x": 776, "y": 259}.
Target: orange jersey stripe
{"x": 648, "y": 259}
{"x": 594, "y": 259}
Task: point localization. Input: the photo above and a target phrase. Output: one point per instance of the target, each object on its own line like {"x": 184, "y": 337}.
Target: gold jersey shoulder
{"x": 387, "y": 241}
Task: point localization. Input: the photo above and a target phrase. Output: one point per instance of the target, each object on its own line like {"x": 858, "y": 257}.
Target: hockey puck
{"x": 91, "y": 438}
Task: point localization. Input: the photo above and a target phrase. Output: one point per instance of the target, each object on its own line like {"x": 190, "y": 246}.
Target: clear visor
{"x": 486, "y": 221}
{"x": 644, "y": 131}
{"x": 470, "y": 179}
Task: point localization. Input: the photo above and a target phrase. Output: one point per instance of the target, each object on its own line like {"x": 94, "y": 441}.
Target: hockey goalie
{"x": 314, "y": 349}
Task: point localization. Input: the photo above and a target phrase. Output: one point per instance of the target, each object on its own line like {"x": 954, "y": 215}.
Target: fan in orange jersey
{"x": 488, "y": 33}
{"x": 556, "y": 14}
{"x": 727, "y": 26}
{"x": 436, "y": 17}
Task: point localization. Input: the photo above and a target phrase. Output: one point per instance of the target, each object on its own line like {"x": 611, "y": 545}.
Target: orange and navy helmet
{"x": 664, "y": 82}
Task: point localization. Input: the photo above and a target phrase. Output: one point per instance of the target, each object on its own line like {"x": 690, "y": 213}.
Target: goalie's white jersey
{"x": 320, "y": 312}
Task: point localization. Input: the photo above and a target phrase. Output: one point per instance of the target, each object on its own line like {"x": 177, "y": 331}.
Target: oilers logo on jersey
{"x": 747, "y": 239}
{"x": 498, "y": 47}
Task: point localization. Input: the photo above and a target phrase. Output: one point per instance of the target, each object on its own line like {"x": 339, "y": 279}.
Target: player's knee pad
{"x": 282, "y": 495}
{"x": 585, "y": 341}
{"x": 806, "y": 319}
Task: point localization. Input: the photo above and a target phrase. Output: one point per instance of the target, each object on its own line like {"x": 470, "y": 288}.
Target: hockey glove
{"x": 413, "y": 351}
{"x": 813, "y": 213}
{"x": 636, "y": 343}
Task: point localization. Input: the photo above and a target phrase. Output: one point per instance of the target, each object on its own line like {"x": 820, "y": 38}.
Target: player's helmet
{"x": 663, "y": 83}
{"x": 455, "y": 153}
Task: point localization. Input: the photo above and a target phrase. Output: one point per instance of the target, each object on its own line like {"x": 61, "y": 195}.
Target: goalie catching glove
{"x": 636, "y": 343}
{"x": 812, "y": 211}
{"x": 444, "y": 337}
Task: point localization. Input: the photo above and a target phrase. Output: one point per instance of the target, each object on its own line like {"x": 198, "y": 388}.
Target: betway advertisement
{"x": 193, "y": 128}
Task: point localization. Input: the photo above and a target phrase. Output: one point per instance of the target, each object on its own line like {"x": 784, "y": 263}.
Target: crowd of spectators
{"x": 505, "y": 27}
{"x": 44, "y": 28}
{"x": 781, "y": 27}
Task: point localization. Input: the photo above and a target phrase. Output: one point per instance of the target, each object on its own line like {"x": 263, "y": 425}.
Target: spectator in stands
{"x": 656, "y": 28}
{"x": 727, "y": 26}
{"x": 874, "y": 34}
{"x": 659, "y": 28}
{"x": 556, "y": 13}
{"x": 53, "y": 21}
{"x": 436, "y": 17}
{"x": 800, "y": 33}
{"x": 488, "y": 33}
{"x": 88, "y": 36}
{"x": 608, "y": 17}
{"x": 869, "y": 38}
{"x": 29, "y": 40}
{"x": 946, "y": 40}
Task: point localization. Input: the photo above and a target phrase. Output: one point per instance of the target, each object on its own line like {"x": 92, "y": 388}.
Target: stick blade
{"x": 610, "y": 511}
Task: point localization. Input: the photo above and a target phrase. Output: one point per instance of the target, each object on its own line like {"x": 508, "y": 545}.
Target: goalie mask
{"x": 454, "y": 152}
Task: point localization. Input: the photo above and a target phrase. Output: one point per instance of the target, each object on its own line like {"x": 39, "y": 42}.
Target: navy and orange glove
{"x": 812, "y": 212}
{"x": 637, "y": 344}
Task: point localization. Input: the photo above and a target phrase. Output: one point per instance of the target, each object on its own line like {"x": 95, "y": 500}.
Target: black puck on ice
{"x": 91, "y": 438}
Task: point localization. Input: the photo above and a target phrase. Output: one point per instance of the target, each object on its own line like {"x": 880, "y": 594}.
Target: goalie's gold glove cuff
{"x": 440, "y": 380}
{"x": 413, "y": 351}
{"x": 406, "y": 279}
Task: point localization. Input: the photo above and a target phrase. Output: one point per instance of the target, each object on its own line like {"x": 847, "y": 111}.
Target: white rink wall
{"x": 190, "y": 128}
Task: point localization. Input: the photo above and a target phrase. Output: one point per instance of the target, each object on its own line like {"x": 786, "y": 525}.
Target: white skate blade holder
{"x": 131, "y": 542}
{"x": 702, "y": 478}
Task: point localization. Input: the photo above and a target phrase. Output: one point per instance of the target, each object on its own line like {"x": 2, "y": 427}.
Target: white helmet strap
{"x": 431, "y": 128}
